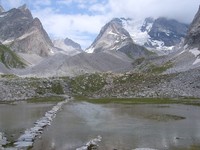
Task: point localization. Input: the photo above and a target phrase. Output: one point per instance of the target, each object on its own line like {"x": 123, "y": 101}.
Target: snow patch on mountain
{"x": 8, "y": 41}
{"x": 90, "y": 50}
{"x": 155, "y": 34}
{"x": 112, "y": 33}
{"x": 3, "y": 15}
{"x": 195, "y": 52}
{"x": 134, "y": 28}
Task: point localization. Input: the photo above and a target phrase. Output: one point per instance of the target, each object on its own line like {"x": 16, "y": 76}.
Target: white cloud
{"x": 82, "y": 26}
{"x": 78, "y": 27}
{"x": 182, "y": 10}
{"x": 99, "y": 8}
{"x": 64, "y": 2}
{"x": 12, "y": 3}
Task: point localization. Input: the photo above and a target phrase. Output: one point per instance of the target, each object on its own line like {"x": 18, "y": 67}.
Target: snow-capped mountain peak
{"x": 159, "y": 35}
{"x": 114, "y": 37}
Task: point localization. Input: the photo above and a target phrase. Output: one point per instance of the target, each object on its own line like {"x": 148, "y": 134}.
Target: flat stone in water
{"x": 3, "y": 140}
{"x": 164, "y": 117}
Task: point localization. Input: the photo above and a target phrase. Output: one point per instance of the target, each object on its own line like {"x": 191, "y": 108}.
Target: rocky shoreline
{"x": 16, "y": 88}
{"x": 186, "y": 84}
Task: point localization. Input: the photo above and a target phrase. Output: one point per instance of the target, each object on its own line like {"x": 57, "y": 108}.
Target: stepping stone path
{"x": 3, "y": 140}
{"x": 91, "y": 143}
{"x": 26, "y": 140}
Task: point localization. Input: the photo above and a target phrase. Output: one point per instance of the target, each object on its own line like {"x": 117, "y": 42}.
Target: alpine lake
{"x": 113, "y": 124}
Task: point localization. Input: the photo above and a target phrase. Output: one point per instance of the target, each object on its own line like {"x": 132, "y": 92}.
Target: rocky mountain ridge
{"x": 160, "y": 35}
{"x": 67, "y": 46}
{"x": 23, "y": 33}
{"x": 192, "y": 39}
{"x": 113, "y": 37}
{"x": 188, "y": 56}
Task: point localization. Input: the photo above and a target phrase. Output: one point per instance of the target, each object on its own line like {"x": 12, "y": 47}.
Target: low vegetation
{"x": 184, "y": 101}
{"x": 160, "y": 69}
{"x": 87, "y": 84}
{"x": 8, "y": 76}
{"x": 46, "y": 99}
{"x": 10, "y": 59}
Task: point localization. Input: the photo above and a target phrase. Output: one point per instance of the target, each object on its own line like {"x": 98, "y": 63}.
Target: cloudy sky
{"x": 81, "y": 20}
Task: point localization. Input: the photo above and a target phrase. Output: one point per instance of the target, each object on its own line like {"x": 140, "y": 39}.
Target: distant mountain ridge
{"x": 123, "y": 45}
{"x": 68, "y": 46}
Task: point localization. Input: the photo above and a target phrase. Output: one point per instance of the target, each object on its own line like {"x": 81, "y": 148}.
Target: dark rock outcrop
{"x": 193, "y": 36}
{"x": 168, "y": 31}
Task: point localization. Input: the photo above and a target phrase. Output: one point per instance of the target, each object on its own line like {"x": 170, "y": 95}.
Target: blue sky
{"x": 81, "y": 20}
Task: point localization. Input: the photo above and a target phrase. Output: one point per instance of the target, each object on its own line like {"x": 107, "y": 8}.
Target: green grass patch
{"x": 57, "y": 88}
{"x": 160, "y": 69}
{"x": 194, "y": 147}
{"x": 46, "y": 99}
{"x": 9, "y": 145}
{"x": 8, "y": 76}
{"x": 87, "y": 84}
{"x": 131, "y": 78}
{"x": 141, "y": 101}
{"x": 10, "y": 59}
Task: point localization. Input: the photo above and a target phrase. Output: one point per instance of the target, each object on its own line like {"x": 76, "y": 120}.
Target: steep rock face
{"x": 159, "y": 35}
{"x": 114, "y": 37}
{"x": 188, "y": 57}
{"x": 192, "y": 39}
{"x": 14, "y": 23}
{"x": 23, "y": 33}
{"x": 68, "y": 46}
{"x": 169, "y": 31}
{"x": 1, "y": 9}
{"x": 34, "y": 41}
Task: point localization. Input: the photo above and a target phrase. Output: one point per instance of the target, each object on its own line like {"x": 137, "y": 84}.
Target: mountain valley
{"x": 123, "y": 46}
{"x": 135, "y": 86}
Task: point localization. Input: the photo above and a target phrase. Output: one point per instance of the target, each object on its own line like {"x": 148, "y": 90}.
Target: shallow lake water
{"x": 16, "y": 118}
{"x": 123, "y": 127}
